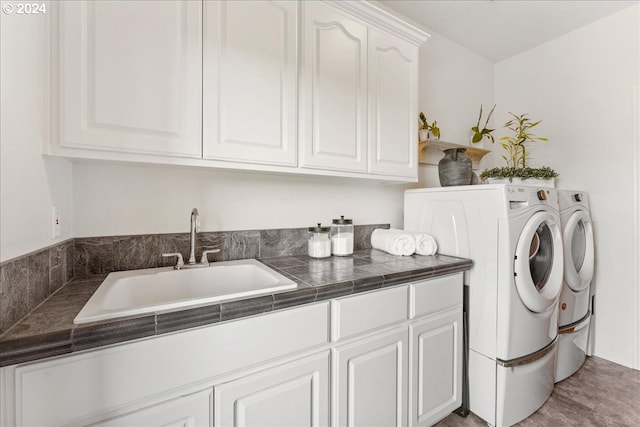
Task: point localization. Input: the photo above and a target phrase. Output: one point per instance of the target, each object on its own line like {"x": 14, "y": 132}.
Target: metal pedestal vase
{"x": 455, "y": 168}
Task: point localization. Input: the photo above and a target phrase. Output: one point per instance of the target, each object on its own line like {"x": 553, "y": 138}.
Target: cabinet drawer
{"x": 434, "y": 295}
{"x": 366, "y": 312}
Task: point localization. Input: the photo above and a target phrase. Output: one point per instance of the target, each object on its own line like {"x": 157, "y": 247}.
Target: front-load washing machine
{"x": 574, "y": 315}
{"x": 513, "y": 236}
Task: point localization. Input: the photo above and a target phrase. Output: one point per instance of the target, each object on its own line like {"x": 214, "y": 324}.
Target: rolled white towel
{"x": 395, "y": 242}
{"x": 425, "y": 243}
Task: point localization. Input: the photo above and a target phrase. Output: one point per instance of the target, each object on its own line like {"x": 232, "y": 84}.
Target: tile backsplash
{"x": 27, "y": 281}
{"x": 99, "y": 255}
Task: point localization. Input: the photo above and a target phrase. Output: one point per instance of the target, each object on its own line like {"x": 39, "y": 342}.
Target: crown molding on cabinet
{"x": 381, "y": 17}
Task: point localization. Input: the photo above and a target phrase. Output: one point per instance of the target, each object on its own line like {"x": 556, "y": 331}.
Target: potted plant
{"x": 426, "y": 129}
{"x": 480, "y": 134}
{"x": 516, "y": 146}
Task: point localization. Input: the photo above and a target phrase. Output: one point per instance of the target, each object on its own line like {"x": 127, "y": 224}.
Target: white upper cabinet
{"x": 250, "y": 81}
{"x": 359, "y": 84}
{"x": 333, "y": 90}
{"x": 308, "y": 87}
{"x": 393, "y": 103}
{"x": 130, "y": 77}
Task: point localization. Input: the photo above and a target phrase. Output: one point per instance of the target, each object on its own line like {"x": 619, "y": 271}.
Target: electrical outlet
{"x": 56, "y": 222}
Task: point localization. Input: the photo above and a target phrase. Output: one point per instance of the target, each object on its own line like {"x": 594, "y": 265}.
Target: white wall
{"x": 29, "y": 183}
{"x": 581, "y": 86}
{"x": 114, "y": 199}
{"x": 454, "y": 82}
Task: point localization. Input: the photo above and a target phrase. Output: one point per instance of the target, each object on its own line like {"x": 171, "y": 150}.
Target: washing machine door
{"x": 578, "y": 251}
{"x": 539, "y": 262}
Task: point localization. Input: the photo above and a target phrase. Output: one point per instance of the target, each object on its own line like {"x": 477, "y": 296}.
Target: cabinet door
{"x": 334, "y": 90}
{"x": 295, "y": 394}
{"x": 250, "y": 81}
{"x": 130, "y": 76}
{"x": 371, "y": 387}
{"x": 393, "y": 105}
{"x": 436, "y": 369}
{"x": 188, "y": 411}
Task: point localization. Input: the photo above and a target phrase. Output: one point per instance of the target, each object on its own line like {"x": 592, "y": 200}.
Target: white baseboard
{"x": 615, "y": 357}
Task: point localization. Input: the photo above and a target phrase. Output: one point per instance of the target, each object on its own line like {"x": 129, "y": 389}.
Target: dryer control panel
{"x": 573, "y": 199}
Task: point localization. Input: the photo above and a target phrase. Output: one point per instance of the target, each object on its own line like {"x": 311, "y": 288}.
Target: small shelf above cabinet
{"x": 431, "y": 151}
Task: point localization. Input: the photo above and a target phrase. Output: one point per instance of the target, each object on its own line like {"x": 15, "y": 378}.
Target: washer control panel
{"x": 523, "y": 196}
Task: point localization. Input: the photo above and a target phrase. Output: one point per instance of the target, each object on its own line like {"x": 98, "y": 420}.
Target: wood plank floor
{"x": 601, "y": 393}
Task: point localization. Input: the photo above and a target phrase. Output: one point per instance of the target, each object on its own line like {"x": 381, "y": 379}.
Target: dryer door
{"x": 538, "y": 262}
{"x": 578, "y": 251}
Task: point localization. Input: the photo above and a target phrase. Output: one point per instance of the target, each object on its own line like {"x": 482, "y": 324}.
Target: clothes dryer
{"x": 513, "y": 235}
{"x": 574, "y": 317}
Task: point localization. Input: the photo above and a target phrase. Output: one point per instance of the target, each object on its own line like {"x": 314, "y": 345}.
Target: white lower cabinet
{"x": 436, "y": 367}
{"x": 372, "y": 381}
{"x": 92, "y": 386}
{"x": 389, "y": 357}
{"x": 186, "y": 411}
{"x": 295, "y": 394}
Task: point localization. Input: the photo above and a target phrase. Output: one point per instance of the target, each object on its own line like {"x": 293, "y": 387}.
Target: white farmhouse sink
{"x": 127, "y": 293}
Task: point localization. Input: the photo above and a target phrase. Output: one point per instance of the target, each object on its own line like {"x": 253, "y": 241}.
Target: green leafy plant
{"x": 544, "y": 172}
{"x": 480, "y": 134}
{"x": 516, "y": 144}
{"x": 430, "y": 128}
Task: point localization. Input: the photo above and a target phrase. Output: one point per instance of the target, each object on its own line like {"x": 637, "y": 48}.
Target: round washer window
{"x": 541, "y": 256}
{"x": 578, "y": 251}
{"x": 538, "y": 261}
{"x": 578, "y": 245}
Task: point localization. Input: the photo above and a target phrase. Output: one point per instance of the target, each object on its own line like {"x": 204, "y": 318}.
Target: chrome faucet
{"x": 204, "y": 259}
{"x": 195, "y": 227}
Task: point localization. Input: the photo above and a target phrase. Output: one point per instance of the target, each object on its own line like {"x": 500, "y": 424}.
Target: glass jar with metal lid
{"x": 319, "y": 244}
{"x": 342, "y": 237}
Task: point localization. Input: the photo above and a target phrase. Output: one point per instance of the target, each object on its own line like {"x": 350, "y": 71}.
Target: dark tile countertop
{"x": 49, "y": 330}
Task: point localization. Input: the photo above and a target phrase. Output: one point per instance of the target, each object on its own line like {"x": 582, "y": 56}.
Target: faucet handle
{"x": 205, "y": 259}
{"x": 180, "y": 262}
